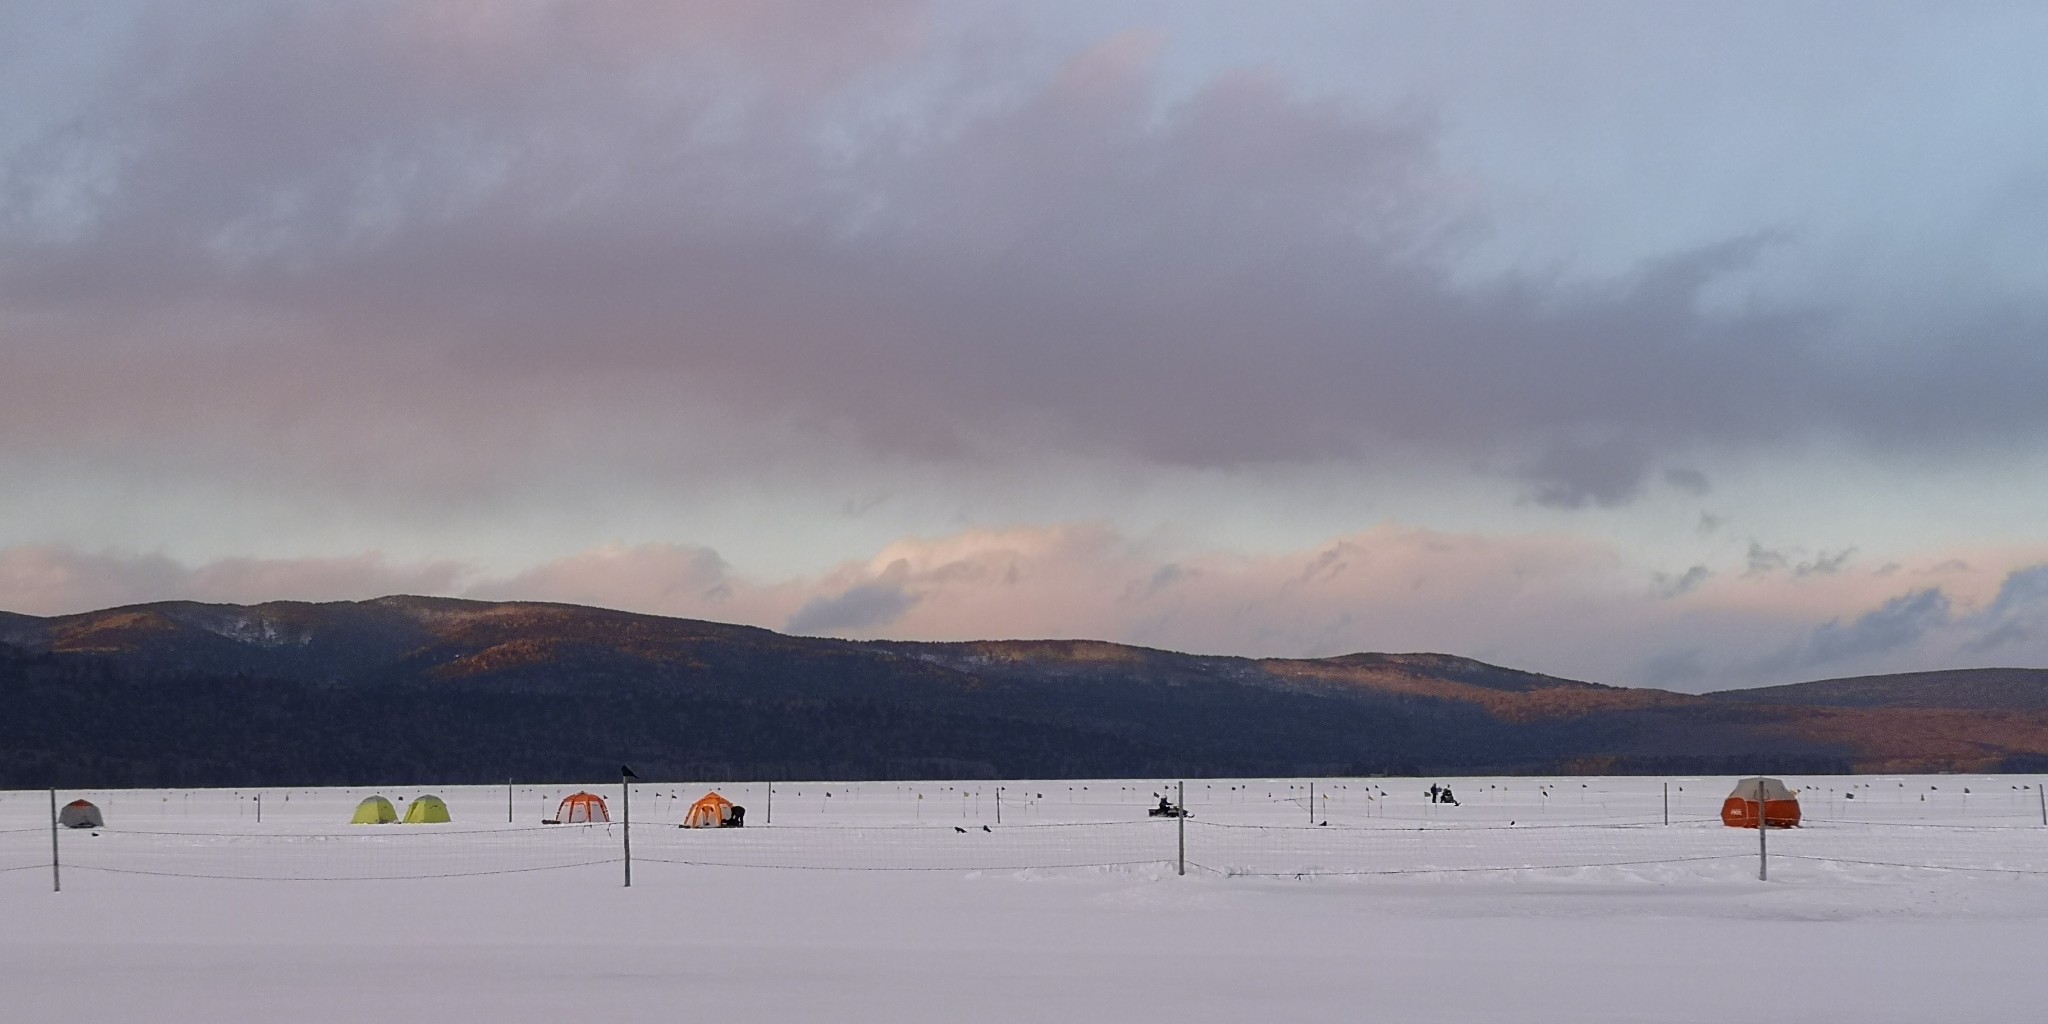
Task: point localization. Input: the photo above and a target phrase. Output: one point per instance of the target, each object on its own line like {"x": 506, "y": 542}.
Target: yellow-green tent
{"x": 374, "y": 810}
{"x": 427, "y": 810}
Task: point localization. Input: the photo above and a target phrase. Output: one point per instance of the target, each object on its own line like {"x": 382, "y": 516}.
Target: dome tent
{"x": 1780, "y": 807}
{"x": 374, "y": 810}
{"x": 578, "y": 808}
{"x": 81, "y": 814}
{"x": 426, "y": 810}
{"x": 714, "y": 811}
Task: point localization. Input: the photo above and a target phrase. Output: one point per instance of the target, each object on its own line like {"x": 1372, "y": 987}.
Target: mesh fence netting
{"x": 1267, "y": 828}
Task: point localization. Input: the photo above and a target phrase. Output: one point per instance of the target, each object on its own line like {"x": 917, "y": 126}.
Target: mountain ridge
{"x": 1973, "y": 689}
{"x": 454, "y": 690}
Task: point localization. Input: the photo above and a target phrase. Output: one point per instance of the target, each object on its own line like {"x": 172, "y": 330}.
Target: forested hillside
{"x": 417, "y": 689}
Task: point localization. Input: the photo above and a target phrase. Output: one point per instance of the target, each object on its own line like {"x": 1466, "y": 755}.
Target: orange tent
{"x": 1780, "y": 807}
{"x": 713, "y": 811}
{"x": 581, "y": 807}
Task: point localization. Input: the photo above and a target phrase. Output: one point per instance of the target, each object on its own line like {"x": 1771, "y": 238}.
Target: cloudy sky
{"x": 1689, "y": 347}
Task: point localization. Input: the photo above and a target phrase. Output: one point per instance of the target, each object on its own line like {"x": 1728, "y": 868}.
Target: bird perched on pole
{"x": 626, "y": 773}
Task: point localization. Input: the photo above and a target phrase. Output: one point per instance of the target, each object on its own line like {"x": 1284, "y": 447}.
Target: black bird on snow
{"x": 985, "y": 828}
{"x": 960, "y": 830}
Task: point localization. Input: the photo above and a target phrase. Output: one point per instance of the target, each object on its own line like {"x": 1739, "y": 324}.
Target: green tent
{"x": 427, "y": 810}
{"x": 374, "y": 810}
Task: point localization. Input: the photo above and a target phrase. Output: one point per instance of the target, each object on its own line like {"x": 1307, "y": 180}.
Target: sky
{"x": 1682, "y": 347}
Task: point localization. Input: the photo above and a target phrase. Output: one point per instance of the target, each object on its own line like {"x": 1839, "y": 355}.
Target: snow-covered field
{"x": 1903, "y": 899}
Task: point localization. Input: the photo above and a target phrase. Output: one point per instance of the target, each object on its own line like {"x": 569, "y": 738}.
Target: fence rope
{"x": 1320, "y": 873}
{"x": 362, "y": 832}
{"x": 1657, "y": 824}
{"x": 1807, "y": 821}
{"x": 1250, "y": 842}
{"x": 1163, "y": 861}
{"x": 338, "y": 878}
{"x": 1901, "y": 864}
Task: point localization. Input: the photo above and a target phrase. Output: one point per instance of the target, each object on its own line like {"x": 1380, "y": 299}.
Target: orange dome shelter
{"x": 714, "y": 811}
{"x": 1779, "y": 807}
{"x": 578, "y": 808}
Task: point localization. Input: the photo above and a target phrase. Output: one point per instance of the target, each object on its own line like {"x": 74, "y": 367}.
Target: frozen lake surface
{"x": 1569, "y": 899}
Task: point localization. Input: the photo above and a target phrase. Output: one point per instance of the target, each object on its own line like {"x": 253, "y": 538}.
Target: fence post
{"x": 2043, "y": 794}
{"x": 1180, "y": 799}
{"x": 1763, "y": 828}
{"x": 259, "y": 808}
{"x": 56, "y": 879}
{"x": 999, "y": 805}
{"x": 626, "y": 814}
{"x": 770, "y": 820}
{"x": 1667, "y": 803}
{"x": 508, "y": 801}
{"x": 1311, "y": 803}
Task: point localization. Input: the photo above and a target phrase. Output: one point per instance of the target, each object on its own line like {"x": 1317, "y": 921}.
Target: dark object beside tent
{"x": 714, "y": 811}
{"x": 81, "y": 814}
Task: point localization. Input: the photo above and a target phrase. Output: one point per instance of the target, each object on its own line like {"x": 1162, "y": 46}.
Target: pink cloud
{"x": 57, "y": 580}
{"x": 661, "y": 579}
{"x": 1557, "y": 604}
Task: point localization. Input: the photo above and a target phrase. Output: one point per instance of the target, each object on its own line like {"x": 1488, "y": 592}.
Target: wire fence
{"x": 384, "y": 854}
{"x": 1656, "y": 847}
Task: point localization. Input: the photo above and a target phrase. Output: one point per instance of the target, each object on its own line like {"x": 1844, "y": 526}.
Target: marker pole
{"x": 56, "y": 878}
{"x": 1763, "y": 828}
{"x": 1180, "y": 798}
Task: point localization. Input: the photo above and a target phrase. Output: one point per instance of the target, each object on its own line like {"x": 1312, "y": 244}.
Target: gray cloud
{"x": 1684, "y": 583}
{"x": 1604, "y": 473}
{"x": 1679, "y": 668}
{"x": 480, "y": 227}
{"x": 1824, "y": 564}
{"x": 865, "y": 606}
{"x": 1898, "y": 623}
{"x": 2017, "y": 615}
{"x": 1691, "y": 481}
{"x": 1763, "y": 560}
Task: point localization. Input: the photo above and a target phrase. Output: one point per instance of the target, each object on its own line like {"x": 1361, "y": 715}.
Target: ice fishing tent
{"x": 427, "y": 810}
{"x": 1780, "y": 807}
{"x": 374, "y": 810}
{"x": 582, "y": 807}
{"x": 81, "y": 814}
{"x": 713, "y": 811}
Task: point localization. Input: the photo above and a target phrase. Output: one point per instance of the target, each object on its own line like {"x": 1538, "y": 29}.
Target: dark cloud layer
{"x": 1899, "y": 622}
{"x": 1927, "y": 618}
{"x": 866, "y": 606}
{"x": 435, "y": 239}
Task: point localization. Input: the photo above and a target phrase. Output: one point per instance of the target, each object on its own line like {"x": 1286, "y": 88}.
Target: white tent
{"x": 81, "y": 814}
{"x": 1774, "y": 789}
